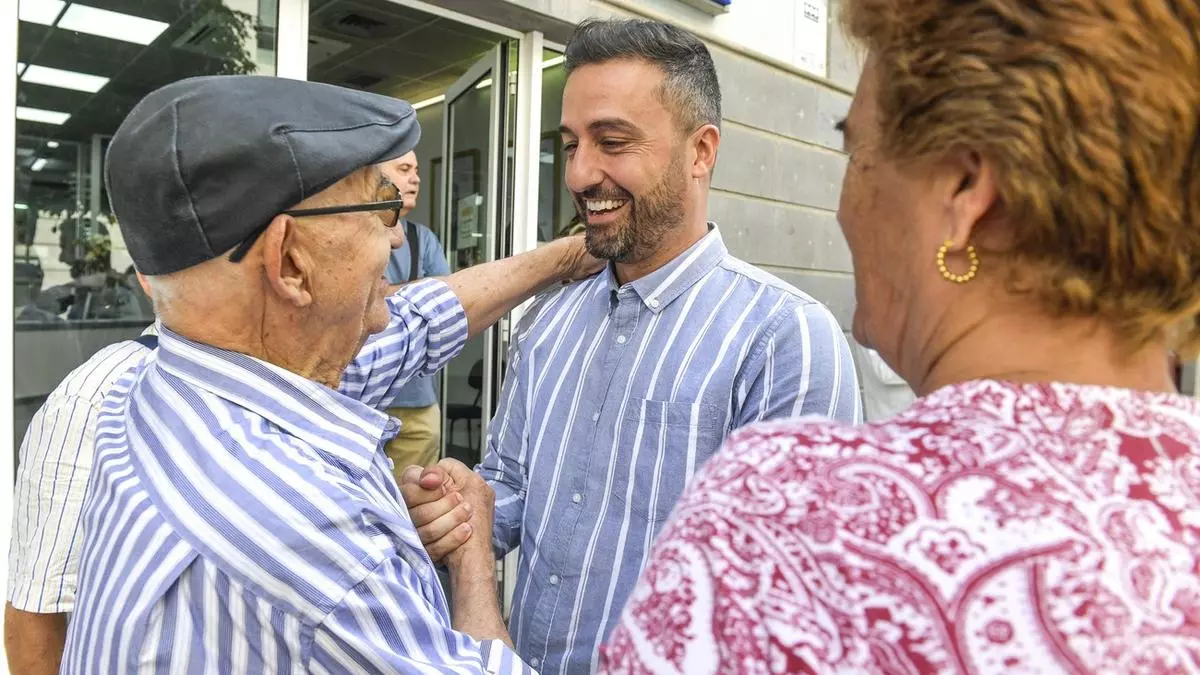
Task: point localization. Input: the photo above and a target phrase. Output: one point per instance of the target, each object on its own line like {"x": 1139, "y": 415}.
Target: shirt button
{"x": 595, "y": 417}
{"x": 554, "y": 579}
{"x": 653, "y": 302}
{"x": 576, "y": 497}
{"x": 535, "y": 662}
{"x": 620, "y": 339}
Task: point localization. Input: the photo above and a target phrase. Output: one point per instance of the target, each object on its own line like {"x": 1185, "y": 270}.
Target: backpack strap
{"x": 414, "y": 248}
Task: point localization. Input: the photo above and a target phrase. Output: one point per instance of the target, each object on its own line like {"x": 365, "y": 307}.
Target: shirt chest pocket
{"x": 661, "y": 444}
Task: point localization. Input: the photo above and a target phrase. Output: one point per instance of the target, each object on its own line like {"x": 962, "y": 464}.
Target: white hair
{"x": 166, "y": 290}
{"x": 163, "y": 291}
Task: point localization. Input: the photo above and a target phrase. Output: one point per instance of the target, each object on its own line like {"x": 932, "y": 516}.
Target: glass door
{"x": 472, "y": 205}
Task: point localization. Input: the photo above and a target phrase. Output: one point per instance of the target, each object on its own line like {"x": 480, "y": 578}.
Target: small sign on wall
{"x": 792, "y": 31}
{"x": 811, "y": 37}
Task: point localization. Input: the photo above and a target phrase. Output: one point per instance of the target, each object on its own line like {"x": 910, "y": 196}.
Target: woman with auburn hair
{"x": 1021, "y": 205}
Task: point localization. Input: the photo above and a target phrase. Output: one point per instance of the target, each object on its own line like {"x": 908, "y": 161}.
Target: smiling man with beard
{"x": 621, "y": 387}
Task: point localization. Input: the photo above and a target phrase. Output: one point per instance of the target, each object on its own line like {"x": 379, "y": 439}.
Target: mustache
{"x": 598, "y": 194}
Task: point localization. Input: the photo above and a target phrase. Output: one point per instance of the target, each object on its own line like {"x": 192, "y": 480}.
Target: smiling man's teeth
{"x": 601, "y": 205}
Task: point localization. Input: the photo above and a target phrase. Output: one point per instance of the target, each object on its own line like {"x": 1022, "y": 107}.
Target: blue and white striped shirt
{"x": 243, "y": 519}
{"x": 614, "y": 398}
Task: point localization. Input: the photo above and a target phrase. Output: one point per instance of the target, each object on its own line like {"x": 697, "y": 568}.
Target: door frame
{"x": 476, "y": 76}
{"x": 8, "y": 148}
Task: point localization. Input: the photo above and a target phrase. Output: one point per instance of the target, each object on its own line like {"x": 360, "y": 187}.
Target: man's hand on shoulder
{"x": 577, "y": 262}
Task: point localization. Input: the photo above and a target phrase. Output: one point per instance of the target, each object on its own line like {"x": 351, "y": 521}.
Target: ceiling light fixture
{"x": 429, "y": 101}
{"x": 38, "y": 164}
{"x": 52, "y": 144}
{"x": 43, "y": 12}
{"x": 67, "y": 79}
{"x": 21, "y": 207}
{"x": 485, "y": 83}
{"x": 115, "y": 25}
{"x": 44, "y": 116}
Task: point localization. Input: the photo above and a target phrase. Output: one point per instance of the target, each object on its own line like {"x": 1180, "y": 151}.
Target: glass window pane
{"x": 556, "y": 209}
{"x": 79, "y": 73}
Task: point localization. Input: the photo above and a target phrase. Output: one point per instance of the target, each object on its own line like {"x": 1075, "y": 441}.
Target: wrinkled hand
{"x": 577, "y": 262}
{"x": 450, "y": 505}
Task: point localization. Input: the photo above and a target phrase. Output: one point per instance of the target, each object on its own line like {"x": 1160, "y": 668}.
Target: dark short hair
{"x": 690, "y": 87}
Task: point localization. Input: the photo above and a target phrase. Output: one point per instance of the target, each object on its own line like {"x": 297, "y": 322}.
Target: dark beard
{"x": 650, "y": 217}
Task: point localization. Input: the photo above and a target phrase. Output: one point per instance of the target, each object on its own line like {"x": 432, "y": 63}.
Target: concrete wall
{"x": 778, "y": 177}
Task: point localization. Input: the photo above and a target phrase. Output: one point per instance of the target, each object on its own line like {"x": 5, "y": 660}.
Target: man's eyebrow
{"x": 614, "y": 124}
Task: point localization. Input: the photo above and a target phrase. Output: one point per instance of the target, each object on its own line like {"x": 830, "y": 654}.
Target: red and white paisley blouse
{"x": 991, "y": 528}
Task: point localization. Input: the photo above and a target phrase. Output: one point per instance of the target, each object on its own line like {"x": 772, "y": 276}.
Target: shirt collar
{"x": 661, "y": 287}
{"x": 346, "y": 429}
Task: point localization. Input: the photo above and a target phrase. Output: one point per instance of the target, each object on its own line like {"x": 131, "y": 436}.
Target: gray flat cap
{"x": 203, "y": 163}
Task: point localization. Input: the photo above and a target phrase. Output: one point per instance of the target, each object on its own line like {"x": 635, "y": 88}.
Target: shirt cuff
{"x": 51, "y": 595}
{"x": 444, "y": 316}
{"x": 500, "y": 660}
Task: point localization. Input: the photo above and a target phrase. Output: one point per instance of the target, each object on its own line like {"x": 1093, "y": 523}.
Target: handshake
{"x": 452, "y": 508}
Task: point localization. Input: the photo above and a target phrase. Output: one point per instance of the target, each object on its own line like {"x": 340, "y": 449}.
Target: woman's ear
{"x": 971, "y": 191}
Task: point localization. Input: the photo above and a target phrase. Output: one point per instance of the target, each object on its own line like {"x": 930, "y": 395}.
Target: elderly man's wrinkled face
{"x": 625, "y": 158}
{"x": 351, "y": 253}
{"x": 885, "y": 218}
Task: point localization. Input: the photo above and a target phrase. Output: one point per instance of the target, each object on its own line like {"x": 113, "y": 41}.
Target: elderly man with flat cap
{"x": 242, "y": 517}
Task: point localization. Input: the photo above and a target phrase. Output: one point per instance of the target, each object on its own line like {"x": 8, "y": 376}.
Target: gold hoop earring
{"x": 950, "y": 276}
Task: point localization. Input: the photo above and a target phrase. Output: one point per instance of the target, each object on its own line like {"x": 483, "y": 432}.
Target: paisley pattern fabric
{"x": 990, "y": 528}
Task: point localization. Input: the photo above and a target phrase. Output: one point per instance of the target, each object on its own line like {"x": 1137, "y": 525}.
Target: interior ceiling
{"x": 387, "y": 48}
{"x": 365, "y": 44}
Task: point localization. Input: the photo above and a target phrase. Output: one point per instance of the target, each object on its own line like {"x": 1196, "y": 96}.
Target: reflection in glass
{"x": 467, "y": 230}
{"x": 556, "y": 211}
{"x": 75, "y": 289}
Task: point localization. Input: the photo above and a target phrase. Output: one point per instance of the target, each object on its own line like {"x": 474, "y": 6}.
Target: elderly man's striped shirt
{"x": 243, "y": 519}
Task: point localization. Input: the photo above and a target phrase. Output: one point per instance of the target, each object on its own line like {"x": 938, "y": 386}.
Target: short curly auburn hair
{"x": 1090, "y": 110}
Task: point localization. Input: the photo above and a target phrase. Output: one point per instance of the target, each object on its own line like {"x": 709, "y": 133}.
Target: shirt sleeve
{"x": 433, "y": 258}
{"x": 804, "y": 367}
{"x": 428, "y": 328}
{"x": 55, "y": 463}
{"x": 505, "y": 460}
{"x": 386, "y": 624}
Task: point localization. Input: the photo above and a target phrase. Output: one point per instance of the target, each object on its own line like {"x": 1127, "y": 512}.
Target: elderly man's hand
{"x": 577, "y": 262}
{"x": 450, "y": 505}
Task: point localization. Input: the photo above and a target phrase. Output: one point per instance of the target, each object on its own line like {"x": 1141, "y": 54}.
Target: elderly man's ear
{"x": 287, "y": 266}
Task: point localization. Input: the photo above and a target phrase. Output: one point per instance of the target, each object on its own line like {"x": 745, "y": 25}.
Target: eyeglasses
{"x": 390, "y": 200}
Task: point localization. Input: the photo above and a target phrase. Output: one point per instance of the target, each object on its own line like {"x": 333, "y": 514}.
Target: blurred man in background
{"x": 421, "y": 255}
